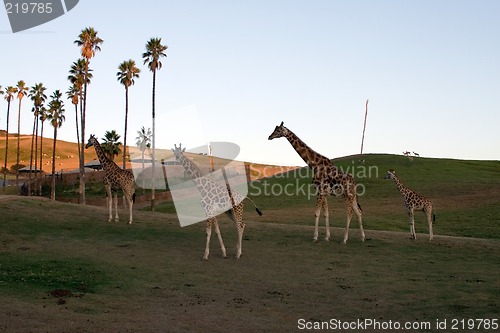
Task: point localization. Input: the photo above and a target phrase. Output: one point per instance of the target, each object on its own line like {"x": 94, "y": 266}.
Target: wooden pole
{"x": 364, "y": 127}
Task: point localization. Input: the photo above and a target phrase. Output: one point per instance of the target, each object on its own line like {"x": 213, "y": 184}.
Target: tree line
{"x": 80, "y": 77}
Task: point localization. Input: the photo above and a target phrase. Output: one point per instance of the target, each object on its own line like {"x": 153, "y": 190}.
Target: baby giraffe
{"x": 412, "y": 202}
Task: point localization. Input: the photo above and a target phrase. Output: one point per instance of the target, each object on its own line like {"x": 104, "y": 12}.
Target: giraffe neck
{"x": 191, "y": 169}
{"x": 105, "y": 161}
{"x": 312, "y": 158}
{"x": 399, "y": 185}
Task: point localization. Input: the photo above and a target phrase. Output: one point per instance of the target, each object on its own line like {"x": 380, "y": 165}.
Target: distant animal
{"x": 115, "y": 178}
{"x": 412, "y": 202}
{"x": 416, "y": 154}
{"x": 328, "y": 179}
{"x": 406, "y": 153}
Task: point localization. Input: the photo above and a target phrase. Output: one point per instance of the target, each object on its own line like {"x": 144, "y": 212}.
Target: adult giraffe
{"x": 115, "y": 178}
{"x": 328, "y": 179}
{"x": 215, "y": 199}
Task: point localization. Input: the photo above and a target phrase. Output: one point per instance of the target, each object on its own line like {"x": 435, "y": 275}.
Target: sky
{"x": 236, "y": 69}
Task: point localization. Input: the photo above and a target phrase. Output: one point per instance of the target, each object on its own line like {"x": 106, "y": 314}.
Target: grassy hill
{"x": 66, "y": 152}
{"x": 465, "y": 195}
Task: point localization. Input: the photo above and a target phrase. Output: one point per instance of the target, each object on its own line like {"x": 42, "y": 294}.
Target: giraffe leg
{"x": 412, "y": 225}
{"x": 219, "y": 236}
{"x": 349, "y": 217}
{"x": 317, "y": 213}
{"x": 209, "y": 234}
{"x": 241, "y": 227}
{"x": 130, "y": 205}
{"x": 109, "y": 201}
{"x": 359, "y": 214}
{"x": 429, "y": 220}
{"x": 115, "y": 202}
{"x": 327, "y": 222}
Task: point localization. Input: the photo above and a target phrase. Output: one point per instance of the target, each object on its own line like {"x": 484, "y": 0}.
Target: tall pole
{"x": 364, "y": 127}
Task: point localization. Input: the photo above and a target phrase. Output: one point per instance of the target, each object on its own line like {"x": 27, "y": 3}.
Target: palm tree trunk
{"x": 31, "y": 156}
{"x": 18, "y": 142}
{"x": 142, "y": 172}
{"x": 77, "y": 130}
{"x": 6, "y": 148}
{"x": 41, "y": 159}
{"x": 125, "y": 135}
{"x": 153, "y": 185}
{"x": 53, "y": 188}
{"x": 36, "y": 152}
{"x": 82, "y": 147}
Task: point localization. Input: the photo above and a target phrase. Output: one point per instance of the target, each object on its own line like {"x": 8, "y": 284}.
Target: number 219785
{"x": 474, "y": 324}
{"x": 28, "y": 7}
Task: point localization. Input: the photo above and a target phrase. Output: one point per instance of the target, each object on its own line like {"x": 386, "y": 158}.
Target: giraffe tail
{"x": 357, "y": 202}
{"x": 256, "y": 208}
{"x": 133, "y": 197}
{"x": 433, "y": 217}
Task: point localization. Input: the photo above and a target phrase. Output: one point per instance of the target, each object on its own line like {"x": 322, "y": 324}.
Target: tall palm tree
{"x": 56, "y": 117}
{"x": 38, "y": 97}
{"x": 111, "y": 145}
{"x": 77, "y": 78}
{"x": 154, "y": 51}
{"x": 9, "y": 96}
{"x": 143, "y": 141}
{"x": 21, "y": 92}
{"x": 89, "y": 43}
{"x": 128, "y": 71}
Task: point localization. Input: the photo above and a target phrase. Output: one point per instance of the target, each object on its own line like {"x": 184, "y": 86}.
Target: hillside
{"x": 66, "y": 152}
{"x": 465, "y": 195}
{"x": 67, "y": 155}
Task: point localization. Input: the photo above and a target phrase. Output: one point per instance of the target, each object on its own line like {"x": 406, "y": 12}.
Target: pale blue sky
{"x": 430, "y": 69}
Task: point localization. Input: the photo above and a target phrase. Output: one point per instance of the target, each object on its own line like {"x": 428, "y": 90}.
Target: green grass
{"x": 122, "y": 276}
{"x": 148, "y": 276}
{"x": 465, "y": 195}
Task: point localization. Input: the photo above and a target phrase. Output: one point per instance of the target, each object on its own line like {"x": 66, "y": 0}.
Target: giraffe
{"x": 214, "y": 197}
{"x": 328, "y": 179}
{"x": 412, "y": 202}
{"x": 115, "y": 178}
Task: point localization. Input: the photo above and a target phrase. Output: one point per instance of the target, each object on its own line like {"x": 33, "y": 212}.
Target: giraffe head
{"x": 279, "y": 132}
{"x": 391, "y": 174}
{"x": 178, "y": 150}
{"x": 91, "y": 141}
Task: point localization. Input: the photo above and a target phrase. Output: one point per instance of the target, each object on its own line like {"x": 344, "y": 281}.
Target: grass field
{"x": 64, "y": 268}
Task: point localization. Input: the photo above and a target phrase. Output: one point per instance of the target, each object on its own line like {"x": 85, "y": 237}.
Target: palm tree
{"x": 110, "y": 144}
{"x": 21, "y": 91}
{"x": 9, "y": 96}
{"x": 154, "y": 51}
{"x": 89, "y": 43}
{"x": 126, "y": 75}
{"x": 56, "y": 117}
{"x": 77, "y": 79}
{"x": 38, "y": 97}
{"x": 143, "y": 141}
